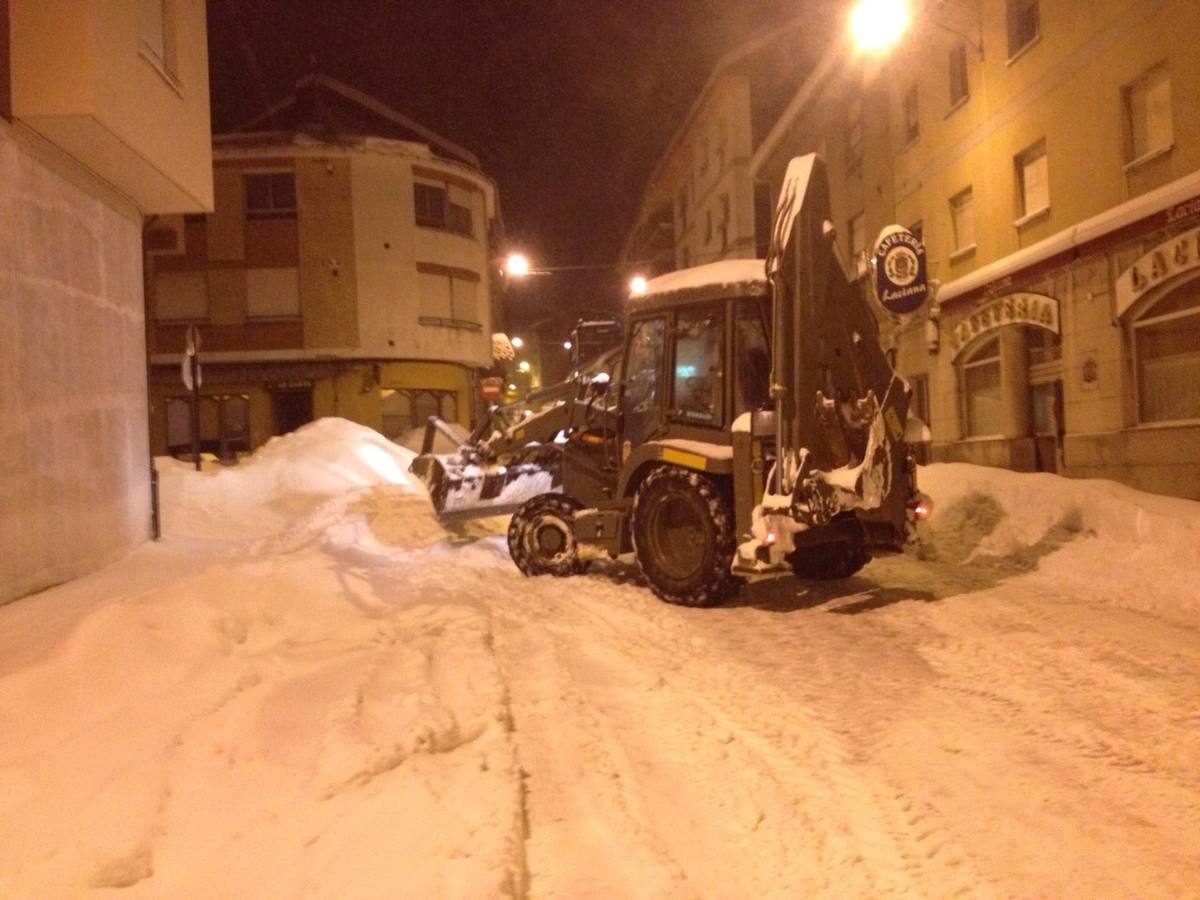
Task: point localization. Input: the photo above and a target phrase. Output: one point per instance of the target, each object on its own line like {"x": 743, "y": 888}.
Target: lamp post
{"x": 878, "y": 25}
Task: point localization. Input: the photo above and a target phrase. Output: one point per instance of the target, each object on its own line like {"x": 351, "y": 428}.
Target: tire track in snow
{"x": 807, "y": 813}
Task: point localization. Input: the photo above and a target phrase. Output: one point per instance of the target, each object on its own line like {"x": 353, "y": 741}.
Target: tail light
{"x": 922, "y": 506}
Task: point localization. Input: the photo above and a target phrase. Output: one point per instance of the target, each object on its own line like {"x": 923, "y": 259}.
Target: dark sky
{"x": 568, "y": 103}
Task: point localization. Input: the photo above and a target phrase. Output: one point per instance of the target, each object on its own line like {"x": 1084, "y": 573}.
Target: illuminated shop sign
{"x": 1168, "y": 259}
{"x": 1012, "y": 309}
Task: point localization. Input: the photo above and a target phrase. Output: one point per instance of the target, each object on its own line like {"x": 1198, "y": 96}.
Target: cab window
{"x": 643, "y": 377}
{"x": 752, "y": 384}
{"x": 699, "y": 374}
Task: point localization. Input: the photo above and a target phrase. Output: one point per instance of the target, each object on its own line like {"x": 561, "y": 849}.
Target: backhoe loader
{"x": 748, "y": 425}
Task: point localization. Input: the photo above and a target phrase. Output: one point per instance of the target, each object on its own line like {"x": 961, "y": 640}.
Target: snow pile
{"x": 1071, "y": 528}
{"x": 289, "y": 476}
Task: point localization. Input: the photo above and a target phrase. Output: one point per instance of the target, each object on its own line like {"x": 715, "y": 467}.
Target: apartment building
{"x": 104, "y": 122}
{"x": 346, "y": 270}
{"x": 1048, "y": 152}
{"x": 701, "y": 202}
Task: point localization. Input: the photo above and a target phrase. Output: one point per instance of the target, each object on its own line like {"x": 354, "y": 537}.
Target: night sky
{"x": 568, "y": 104}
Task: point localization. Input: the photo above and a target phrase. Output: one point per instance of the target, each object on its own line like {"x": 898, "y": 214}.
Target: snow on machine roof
{"x": 718, "y": 280}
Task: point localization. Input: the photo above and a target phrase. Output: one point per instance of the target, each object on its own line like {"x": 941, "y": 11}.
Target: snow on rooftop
{"x": 724, "y": 272}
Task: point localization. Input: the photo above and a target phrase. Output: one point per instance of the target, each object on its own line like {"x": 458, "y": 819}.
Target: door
{"x": 1046, "y": 404}
{"x": 642, "y": 390}
{"x": 292, "y": 408}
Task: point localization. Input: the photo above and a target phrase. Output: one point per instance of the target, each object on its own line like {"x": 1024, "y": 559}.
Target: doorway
{"x": 292, "y": 409}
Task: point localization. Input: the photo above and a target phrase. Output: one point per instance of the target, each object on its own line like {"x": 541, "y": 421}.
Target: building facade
{"x": 702, "y": 202}
{"x": 1048, "y": 152}
{"x": 346, "y": 270}
{"x": 104, "y": 121}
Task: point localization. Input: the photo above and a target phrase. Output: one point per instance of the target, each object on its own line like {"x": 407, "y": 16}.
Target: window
{"x": 699, "y": 378}
{"x": 1033, "y": 181}
{"x": 981, "y": 390}
{"x": 854, "y": 133}
{"x": 443, "y": 206}
{"x": 224, "y": 425}
{"x": 912, "y": 123}
{"x": 272, "y": 293}
{"x": 1023, "y": 25}
{"x": 959, "y": 88}
{"x": 180, "y": 296}
{"x": 723, "y": 227}
{"x": 156, "y": 35}
{"x": 920, "y": 398}
{"x": 1148, "y": 124}
{"x": 642, "y": 397}
{"x": 270, "y": 195}
{"x": 1166, "y": 344}
{"x": 857, "y": 241}
{"x": 448, "y": 296}
{"x": 962, "y": 216}
{"x": 1042, "y": 345}
{"x": 752, "y": 375}
{"x": 407, "y": 408}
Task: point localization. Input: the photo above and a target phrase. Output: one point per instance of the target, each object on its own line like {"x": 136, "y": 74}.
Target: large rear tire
{"x": 683, "y": 534}
{"x": 829, "y": 562}
{"x": 541, "y": 537}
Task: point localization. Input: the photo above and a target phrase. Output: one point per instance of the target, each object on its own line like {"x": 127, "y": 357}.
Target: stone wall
{"x": 74, "y": 455}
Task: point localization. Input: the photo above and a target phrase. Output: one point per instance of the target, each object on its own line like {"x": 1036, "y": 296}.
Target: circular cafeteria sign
{"x": 901, "y": 279}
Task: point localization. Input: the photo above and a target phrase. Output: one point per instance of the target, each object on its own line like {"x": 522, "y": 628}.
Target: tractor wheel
{"x": 828, "y": 562}
{"x": 683, "y": 534}
{"x": 541, "y": 537}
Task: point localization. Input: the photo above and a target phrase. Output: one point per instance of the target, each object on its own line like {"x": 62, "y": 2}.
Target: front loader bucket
{"x": 461, "y": 487}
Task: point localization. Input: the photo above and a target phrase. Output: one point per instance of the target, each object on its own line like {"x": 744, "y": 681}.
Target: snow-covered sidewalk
{"x": 310, "y": 689}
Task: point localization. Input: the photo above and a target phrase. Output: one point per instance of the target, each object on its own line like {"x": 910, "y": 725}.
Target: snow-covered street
{"x": 310, "y": 689}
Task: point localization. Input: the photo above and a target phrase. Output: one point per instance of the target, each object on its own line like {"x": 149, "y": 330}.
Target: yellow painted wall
{"x": 328, "y": 263}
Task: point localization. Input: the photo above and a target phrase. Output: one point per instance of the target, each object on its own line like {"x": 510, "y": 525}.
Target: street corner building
{"x": 1048, "y": 154}
{"x": 344, "y": 271}
{"x": 104, "y": 123}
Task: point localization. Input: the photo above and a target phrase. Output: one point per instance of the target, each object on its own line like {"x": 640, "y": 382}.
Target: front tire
{"x": 541, "y": 537}
{"x": 829, "y": 562}
{"x": 683, "y": 534}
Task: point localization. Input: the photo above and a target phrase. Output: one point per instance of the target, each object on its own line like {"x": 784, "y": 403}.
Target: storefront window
{"x": 407, "y": 408}
{"x": 981, "y": 390}
{"x": 1167, "y": 350}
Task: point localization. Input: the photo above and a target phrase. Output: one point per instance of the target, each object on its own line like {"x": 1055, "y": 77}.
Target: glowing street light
{"x": 517, "y": 342}
{"x": 637, "y": 285}
{"x": 523, "y": 365}
{"x": 877, "y": 25}
{"x": 566, "y": 345}
{"x": 517, "y": 265}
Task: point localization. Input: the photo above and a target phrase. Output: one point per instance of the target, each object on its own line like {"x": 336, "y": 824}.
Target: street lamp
{"x": 523, "y": 365}
{"x": 517, "y": 342}
{"x": 517, "y": 265}
{"x": 877, "y": 25}
{"x": 637, "y": 285}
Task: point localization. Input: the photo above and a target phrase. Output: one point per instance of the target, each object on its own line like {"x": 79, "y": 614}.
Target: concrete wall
{"x": 74, "y": 461}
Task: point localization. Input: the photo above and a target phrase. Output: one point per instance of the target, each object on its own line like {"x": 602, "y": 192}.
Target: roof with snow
{"x": 713, "y": 281}
{"x": 333, "y": 112}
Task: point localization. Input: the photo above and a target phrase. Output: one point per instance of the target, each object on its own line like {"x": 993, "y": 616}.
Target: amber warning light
{"x": 922, "y": 507}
